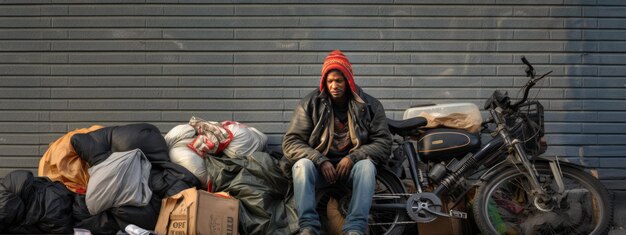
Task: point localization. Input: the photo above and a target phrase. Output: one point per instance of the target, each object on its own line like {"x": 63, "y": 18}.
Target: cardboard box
{"x": 192, "y": 212}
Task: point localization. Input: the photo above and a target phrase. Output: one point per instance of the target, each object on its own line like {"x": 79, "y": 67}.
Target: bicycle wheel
{"x": 505, "y": 205}
{"x": 386, "y": 221}
{"x": 380, "y": 222}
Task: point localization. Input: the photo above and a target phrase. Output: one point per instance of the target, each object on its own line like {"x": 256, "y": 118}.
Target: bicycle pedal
{"x": 458, "y": 214}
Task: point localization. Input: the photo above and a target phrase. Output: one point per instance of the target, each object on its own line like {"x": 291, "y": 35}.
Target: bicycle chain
{"x": 389, "y": 223}
{"x": 393, "y": 194}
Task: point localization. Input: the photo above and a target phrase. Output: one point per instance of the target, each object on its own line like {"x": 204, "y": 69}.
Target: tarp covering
{"x": 62, "y": 163}
{"x": 261, "y": 188}
{"x": 31, "y": 204}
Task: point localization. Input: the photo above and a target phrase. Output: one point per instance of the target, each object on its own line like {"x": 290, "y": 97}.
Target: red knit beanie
{"x": 337, "y": 60}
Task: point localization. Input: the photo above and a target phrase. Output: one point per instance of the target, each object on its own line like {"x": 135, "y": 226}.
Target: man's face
{"x": 336, "y": 84}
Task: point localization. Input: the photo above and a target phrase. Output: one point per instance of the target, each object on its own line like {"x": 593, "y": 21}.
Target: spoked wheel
{"x": 383, "y": 221}
{"x": 505, "y": 204}
{"x": 388, "y": 221}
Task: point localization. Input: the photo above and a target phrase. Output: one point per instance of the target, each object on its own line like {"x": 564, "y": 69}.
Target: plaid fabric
{"x": 211, "y": 137}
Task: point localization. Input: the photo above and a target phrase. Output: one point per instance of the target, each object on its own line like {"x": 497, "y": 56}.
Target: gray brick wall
{"x": 66, "y": 65}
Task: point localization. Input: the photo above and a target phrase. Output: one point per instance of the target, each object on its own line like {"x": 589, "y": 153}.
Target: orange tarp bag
{"x": 62, "y": 163}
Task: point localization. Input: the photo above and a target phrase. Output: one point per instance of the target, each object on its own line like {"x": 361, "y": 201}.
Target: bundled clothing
{"x": 144, "y": 141}
{"x": 62, "y": 163}
{"x": 120, "y": 180}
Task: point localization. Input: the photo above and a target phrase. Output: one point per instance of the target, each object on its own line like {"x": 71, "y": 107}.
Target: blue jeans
{"x": 307, "y": 178}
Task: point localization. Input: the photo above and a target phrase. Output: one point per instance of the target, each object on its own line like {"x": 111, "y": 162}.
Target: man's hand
{"x": 329, "y": 172}
{"x": 344, "y": 167}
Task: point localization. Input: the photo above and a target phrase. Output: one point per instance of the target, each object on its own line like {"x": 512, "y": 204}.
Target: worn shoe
{"x": 307, "y": 231}
{"x": 352, "y": 232}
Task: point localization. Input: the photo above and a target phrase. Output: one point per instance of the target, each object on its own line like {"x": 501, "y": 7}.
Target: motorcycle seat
{"x": 407, "y": 127}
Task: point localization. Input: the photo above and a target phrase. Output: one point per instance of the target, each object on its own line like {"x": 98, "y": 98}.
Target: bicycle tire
{"x": 388, "y": 183}
{"x": 503, "y": 204}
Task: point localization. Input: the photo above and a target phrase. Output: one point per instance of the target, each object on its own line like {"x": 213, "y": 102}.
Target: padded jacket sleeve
{"x": 296, "y": 142}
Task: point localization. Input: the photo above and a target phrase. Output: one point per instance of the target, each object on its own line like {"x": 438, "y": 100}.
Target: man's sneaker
{"x": 307, "y": 231}
{"x": 352, "y": 232}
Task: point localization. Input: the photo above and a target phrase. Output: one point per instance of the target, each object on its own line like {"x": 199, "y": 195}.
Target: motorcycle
{"x": 515, "y": 189}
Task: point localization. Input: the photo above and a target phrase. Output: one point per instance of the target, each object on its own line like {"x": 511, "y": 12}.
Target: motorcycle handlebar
{"x": 530, "y": 72}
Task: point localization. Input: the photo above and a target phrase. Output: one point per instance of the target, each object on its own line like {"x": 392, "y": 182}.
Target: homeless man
{"x": 337, "y": 134}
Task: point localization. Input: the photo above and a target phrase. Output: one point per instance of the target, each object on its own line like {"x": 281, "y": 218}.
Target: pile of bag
{"x": 104, "y": 178}
{"x": 227, "y": 157}
{"x": 190, "y": 143}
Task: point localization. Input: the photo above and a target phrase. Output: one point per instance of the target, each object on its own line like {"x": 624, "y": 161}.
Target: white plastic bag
{"x": 182, "y": 155}
{"x": 246, "y": 140}
{"x": 178, "y": 140}
{"x": 179, "y": 133}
